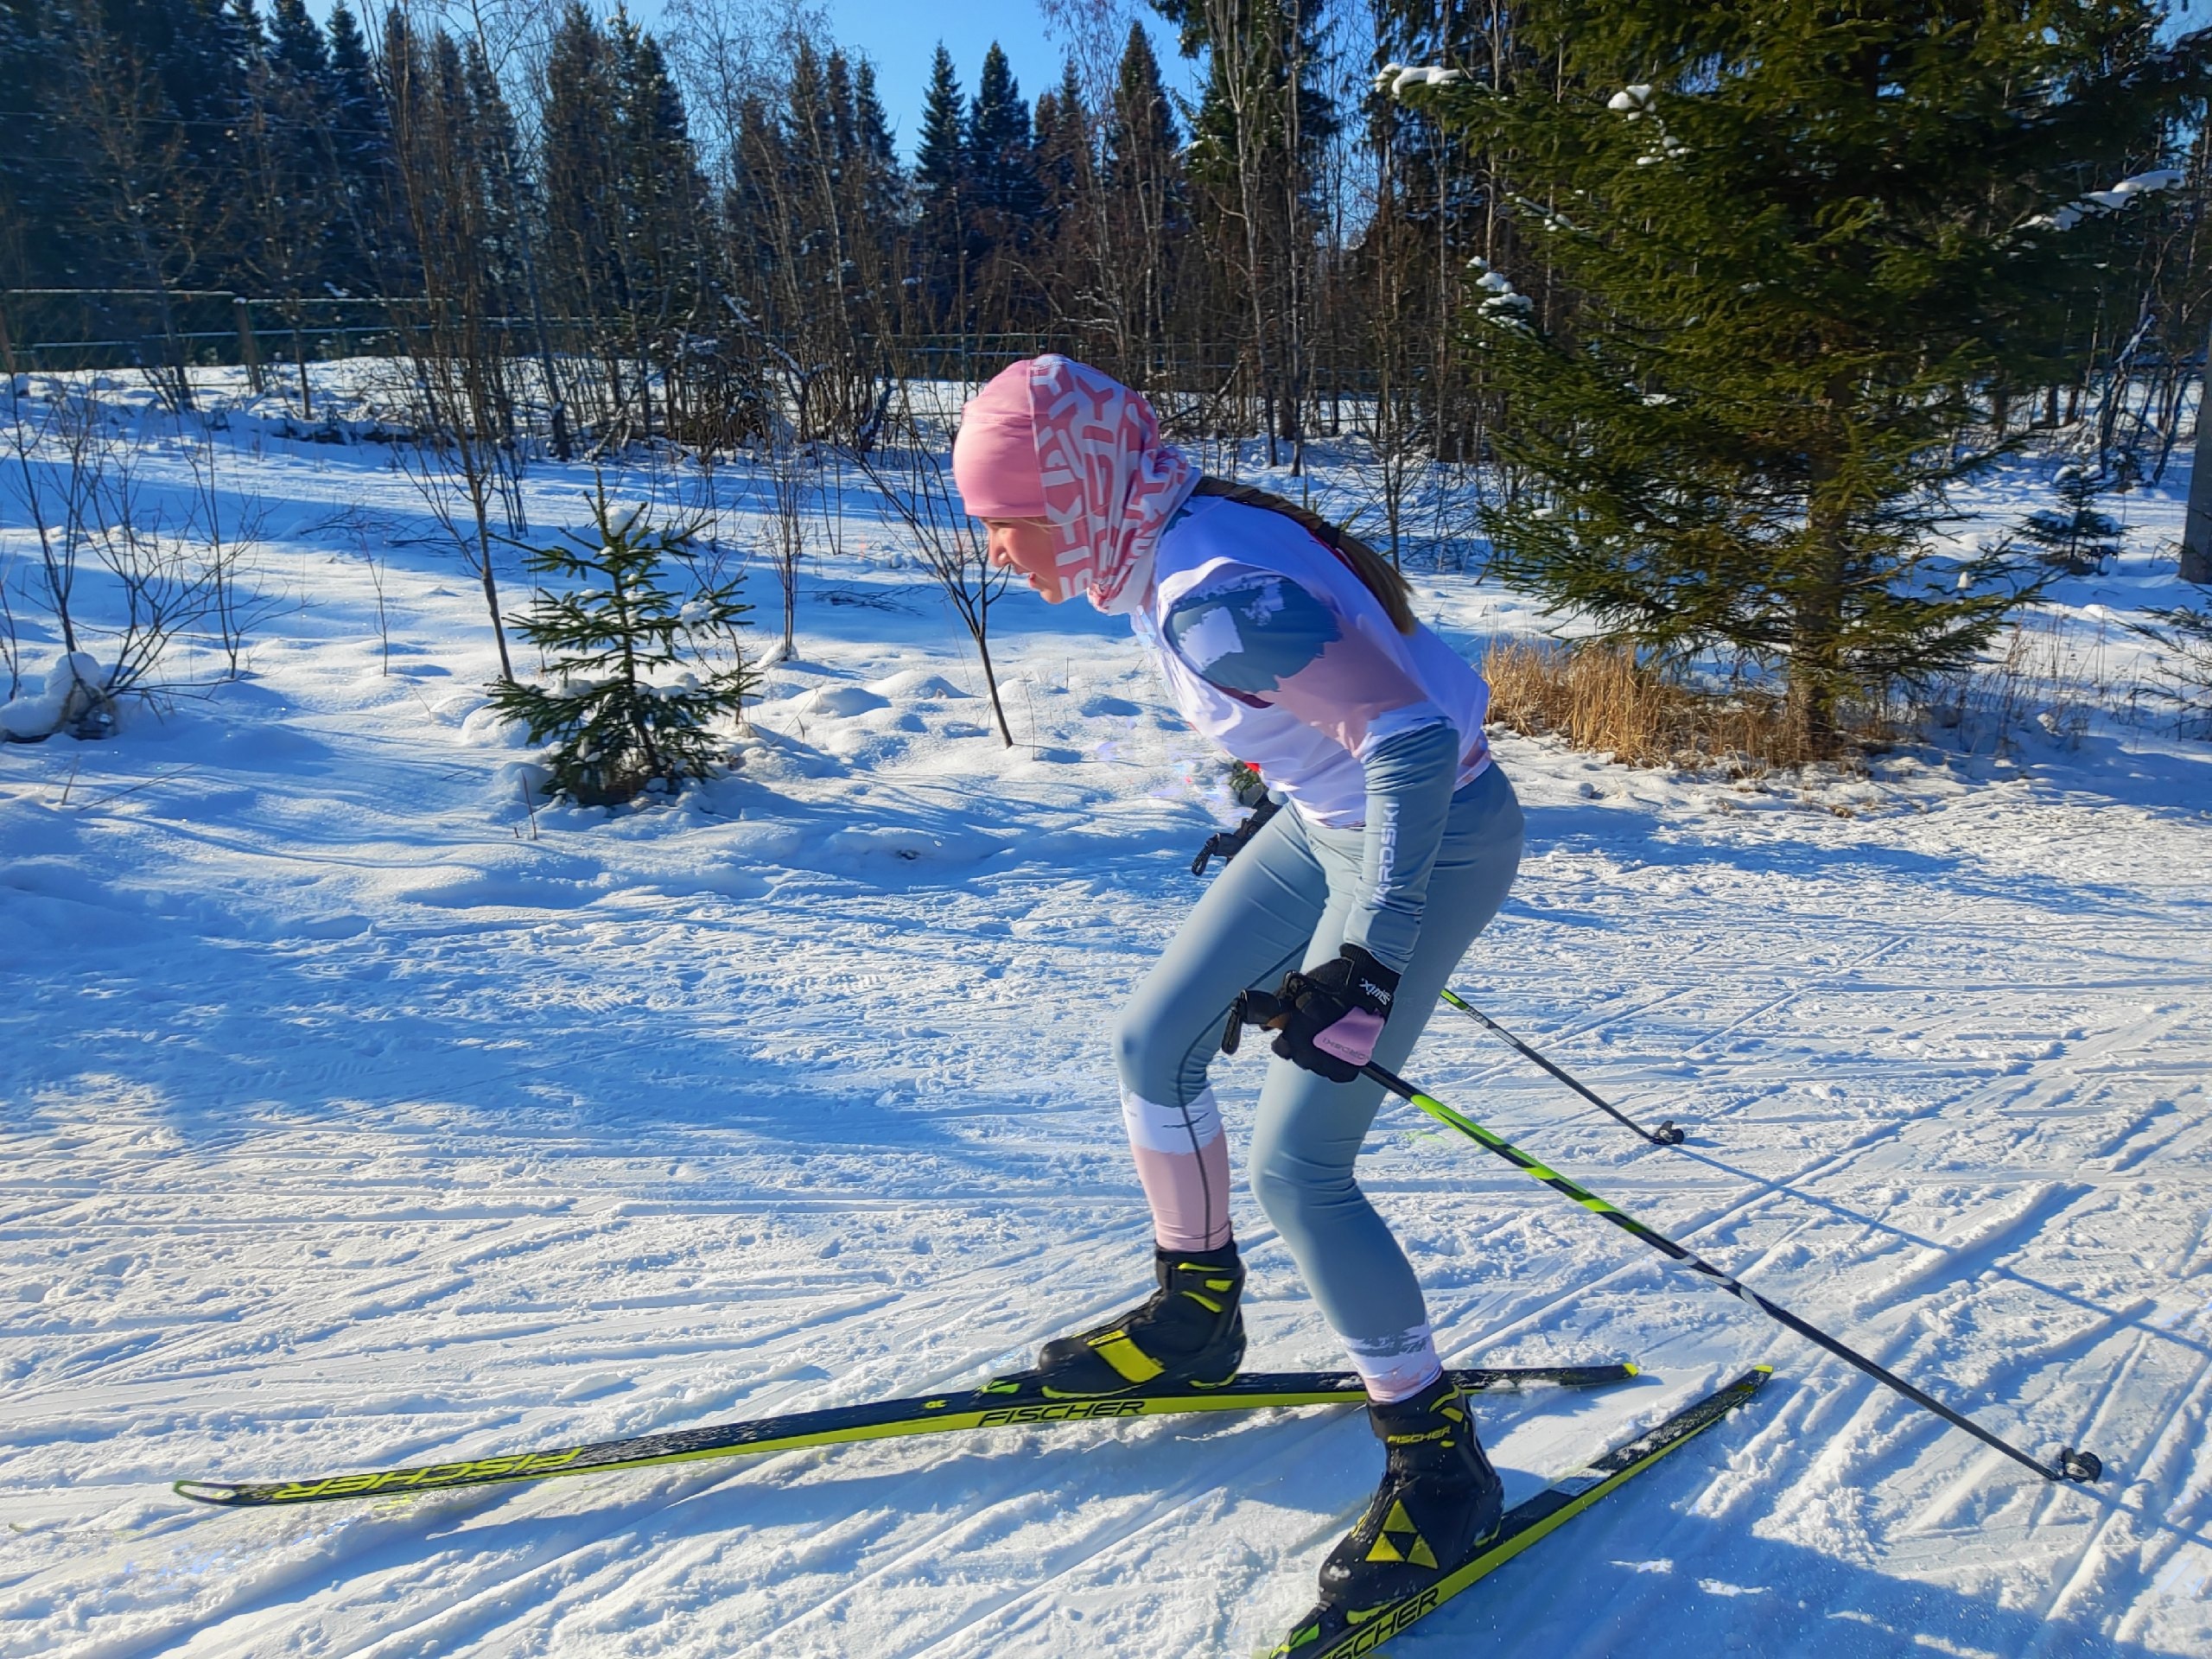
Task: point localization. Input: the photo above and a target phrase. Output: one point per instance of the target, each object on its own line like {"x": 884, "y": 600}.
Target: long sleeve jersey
{"x": 1273, "y": 647}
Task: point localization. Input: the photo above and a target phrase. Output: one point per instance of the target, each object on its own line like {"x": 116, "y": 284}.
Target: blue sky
{"x": 901, "y": 34}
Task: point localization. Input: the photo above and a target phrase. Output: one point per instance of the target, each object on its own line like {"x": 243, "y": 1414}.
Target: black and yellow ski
{"x": 1000, "y": 1405}
{"x": 1332, "y": 1633}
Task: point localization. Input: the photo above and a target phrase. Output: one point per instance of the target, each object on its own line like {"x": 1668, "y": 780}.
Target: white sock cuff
{"x": 1396, "y": 1367}
{"x": 1159, "y": 1128}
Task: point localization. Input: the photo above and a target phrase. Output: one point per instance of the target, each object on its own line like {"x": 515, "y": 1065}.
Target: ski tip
{"x": 205, "y": 1491}
{"x": 1312, "y": 1632}
{"x": 1631, "y": 1367}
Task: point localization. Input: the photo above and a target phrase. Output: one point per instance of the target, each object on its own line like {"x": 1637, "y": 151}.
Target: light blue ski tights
{"x": 1284, "y": 903}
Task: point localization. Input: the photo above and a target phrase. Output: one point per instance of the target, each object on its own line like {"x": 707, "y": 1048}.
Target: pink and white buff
{"x": 1111, "y": 483}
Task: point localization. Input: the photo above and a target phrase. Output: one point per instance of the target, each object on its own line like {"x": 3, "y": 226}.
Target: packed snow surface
{"x": 353, "y": 1114}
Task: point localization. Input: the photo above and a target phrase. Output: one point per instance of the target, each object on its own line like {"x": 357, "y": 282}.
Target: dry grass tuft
{"x": 1598, "y": 698}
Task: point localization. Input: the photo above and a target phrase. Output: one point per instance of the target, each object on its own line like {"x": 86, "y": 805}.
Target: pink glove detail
{"x": 1352, "y": 1038}
{"x": 1331, "y": 1018}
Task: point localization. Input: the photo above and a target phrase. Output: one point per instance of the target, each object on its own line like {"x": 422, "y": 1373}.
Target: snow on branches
{"x": 1636, "y": 103}
{"x": 1393, "y": 78}
{"x": 2099, "y": 203}
{"x": 1502, "y": 304}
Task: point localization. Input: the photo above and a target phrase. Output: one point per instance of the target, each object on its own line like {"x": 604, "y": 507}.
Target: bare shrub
{"x": 2039, "y": 674}
{"x": 2183, "y": 679}
{"x": 75, "y": 481}
{"x": 916, "y": 485}
{"x": 789, "y": 464}
{"x": 463, "y": 467}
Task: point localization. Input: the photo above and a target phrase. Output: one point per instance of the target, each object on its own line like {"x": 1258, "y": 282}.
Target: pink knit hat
{"x": 1053, "y": 439}
{"x": 994, "y": 456}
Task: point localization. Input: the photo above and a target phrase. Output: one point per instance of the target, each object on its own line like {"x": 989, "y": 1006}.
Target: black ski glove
{"x": 1226, "y": 845}
{"x": 1328, "y": 1021}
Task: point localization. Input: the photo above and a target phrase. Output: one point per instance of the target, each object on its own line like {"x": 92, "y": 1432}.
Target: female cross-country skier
{"x": 1293, "y": 647}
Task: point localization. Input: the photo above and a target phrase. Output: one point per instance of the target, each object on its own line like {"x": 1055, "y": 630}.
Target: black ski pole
{"x": 1257, "y": 1008}
{"x": 1665, "y": 1135}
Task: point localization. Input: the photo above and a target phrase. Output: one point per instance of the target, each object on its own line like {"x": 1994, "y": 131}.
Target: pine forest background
{"x": 579, "y": 235}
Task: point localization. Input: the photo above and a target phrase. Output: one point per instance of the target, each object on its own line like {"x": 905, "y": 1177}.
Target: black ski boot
{"x": 1188, "y": 1333}
{"x": 1439, "y": 1504}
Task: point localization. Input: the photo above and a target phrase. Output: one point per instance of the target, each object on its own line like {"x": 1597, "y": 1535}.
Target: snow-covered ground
{"x": 351, "y": 1116}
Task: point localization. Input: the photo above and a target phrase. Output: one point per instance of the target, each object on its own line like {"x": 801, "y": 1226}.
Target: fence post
{"x": 2197, "y": 527}
{"x": 247, "y": 346}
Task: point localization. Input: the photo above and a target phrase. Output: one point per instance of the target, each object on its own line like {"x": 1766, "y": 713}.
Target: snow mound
{"x": 841, "y": 700}
{"x": 904, "y": 843}
{"x": 486, "y": 728}
{"x": 71, "y": 687}
{"x": 915, "y": 685}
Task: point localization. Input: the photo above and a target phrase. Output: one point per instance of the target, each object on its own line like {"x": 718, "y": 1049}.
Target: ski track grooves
{"x": 345, "y": 1126}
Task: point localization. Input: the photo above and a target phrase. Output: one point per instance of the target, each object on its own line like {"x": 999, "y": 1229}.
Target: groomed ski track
{"x": 343, "y": 1126}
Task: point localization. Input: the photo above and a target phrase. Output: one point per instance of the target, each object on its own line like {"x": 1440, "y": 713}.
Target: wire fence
{"x": 66, "y": 330}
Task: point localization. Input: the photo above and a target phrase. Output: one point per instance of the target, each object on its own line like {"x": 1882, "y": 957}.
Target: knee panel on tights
{"x": 1163, "y": 1126}
{"x": 1162, "y": 1065}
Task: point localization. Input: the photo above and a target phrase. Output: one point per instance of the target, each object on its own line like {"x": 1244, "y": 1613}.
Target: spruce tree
{"x": 657, "y": 179}
{"x": 837, "y": 93}
{"x": 297, "y": 48}
{"x": 492, "y": 145}
{"x": 294, "y": 214}
{"x": 941, "y": 162}
{"x": 373, "y": 252}
{"x": 44, "y": 189}
{"x": 884, "y": 186}
{"x": 2077, "y": 537}
{"x": 1147, "y": 197}
{"x": 1141, "y": 127}
{"x": 1805, "y": 247}
{"x": 871, "y": 126}
{"x": 943, "y": 190}
{"x": 811, "y": 120}
{"x": 579, "y": 160}
{"x": 631, "y": 694}
{"x": 998, "y": 147}
{"x": 1062, "y": 131}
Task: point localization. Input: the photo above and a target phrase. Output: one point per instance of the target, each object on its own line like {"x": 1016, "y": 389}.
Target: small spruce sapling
{"x": 2076, "y": 538}
{"x": 621, "y": 621}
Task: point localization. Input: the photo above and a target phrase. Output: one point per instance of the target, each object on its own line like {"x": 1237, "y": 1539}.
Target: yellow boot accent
{"x": 1129, "y": 1360}
{"x": 1384, "y": 1550}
